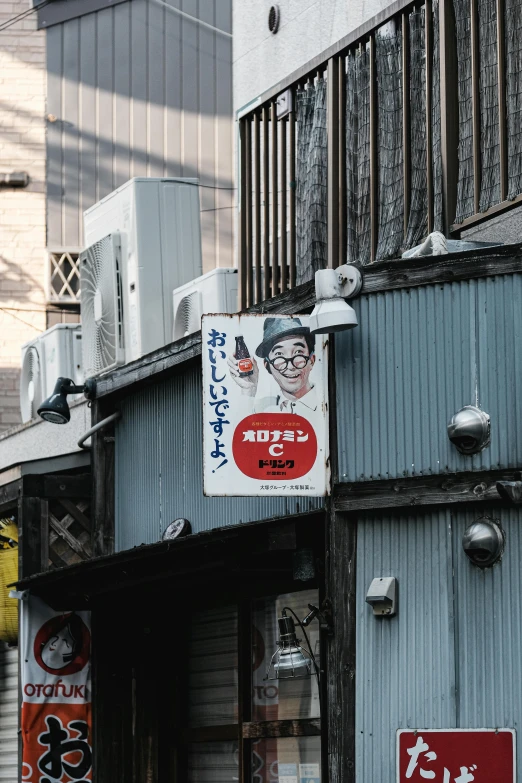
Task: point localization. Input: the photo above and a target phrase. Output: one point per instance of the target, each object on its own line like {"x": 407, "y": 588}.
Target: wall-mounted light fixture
{"x": 469, "y": 430}
{"x": 483, "y": 542}
{"x": 292, "y": 660}
{"x": 332, "y": 286}
{"x": 55, "y": 408}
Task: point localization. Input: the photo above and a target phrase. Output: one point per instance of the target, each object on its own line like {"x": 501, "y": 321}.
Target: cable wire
{"x": 22, "y": 16}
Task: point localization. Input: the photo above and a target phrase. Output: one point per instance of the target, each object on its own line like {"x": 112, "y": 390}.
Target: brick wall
{"x": 22, "y": 211}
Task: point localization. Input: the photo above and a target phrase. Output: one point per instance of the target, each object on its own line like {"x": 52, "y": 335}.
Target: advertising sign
{"x": 56, "y": 695}
{"x": 456, "y": 755}
{"x": 265, "y": 406}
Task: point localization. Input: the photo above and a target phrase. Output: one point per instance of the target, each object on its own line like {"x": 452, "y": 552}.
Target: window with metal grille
{"x": 64, "y": 275}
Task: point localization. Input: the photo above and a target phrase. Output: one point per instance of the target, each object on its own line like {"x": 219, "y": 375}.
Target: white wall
{"x": 306, "y": 29}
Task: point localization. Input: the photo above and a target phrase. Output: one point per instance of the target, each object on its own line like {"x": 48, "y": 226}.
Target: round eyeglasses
{"x": 280, "y": 364}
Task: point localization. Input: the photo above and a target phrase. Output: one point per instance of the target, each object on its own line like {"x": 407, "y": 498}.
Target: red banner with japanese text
{"x": 56, "y": 695}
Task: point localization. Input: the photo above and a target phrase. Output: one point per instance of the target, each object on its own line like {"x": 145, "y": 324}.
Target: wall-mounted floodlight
{"x": 469, "y": 430}
{"x": 55, "y": 408}
{"x": 332, "y": 286}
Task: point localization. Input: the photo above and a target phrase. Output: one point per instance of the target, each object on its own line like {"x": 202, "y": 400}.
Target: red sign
{"x": 277, "y": 446}
{"x": 456, "y": 756}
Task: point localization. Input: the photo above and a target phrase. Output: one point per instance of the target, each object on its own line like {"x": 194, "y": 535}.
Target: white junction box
{"x": 142, "y": 241}
{"x": 57, "y": 353}
{"x": 215, "y": 292}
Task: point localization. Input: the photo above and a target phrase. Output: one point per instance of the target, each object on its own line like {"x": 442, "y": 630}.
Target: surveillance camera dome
{"x": 483, "y": 542}
{"x": 469, "y": 430}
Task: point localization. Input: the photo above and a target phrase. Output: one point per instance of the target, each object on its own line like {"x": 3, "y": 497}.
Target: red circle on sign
{"x": 274, "y": 446}
{"x": 62, "y": 645}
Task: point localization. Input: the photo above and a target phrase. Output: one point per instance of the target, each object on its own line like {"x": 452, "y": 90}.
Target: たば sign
{"x": 456, "y": 755}
{"x": 265, "y": 412}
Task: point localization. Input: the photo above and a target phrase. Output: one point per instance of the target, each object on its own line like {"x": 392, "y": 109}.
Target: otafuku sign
{"x": 265, "y": 406}
{"x": 456, "y": 756}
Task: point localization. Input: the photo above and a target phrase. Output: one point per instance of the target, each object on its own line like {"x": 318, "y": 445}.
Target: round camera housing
{"x": 483, "y": 542}
{"x": 469, "y": 430}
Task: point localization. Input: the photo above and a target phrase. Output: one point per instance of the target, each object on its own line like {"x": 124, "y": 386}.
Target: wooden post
{"x": 449, "y": 111}
{"x": 341, "y": 557}
{"x": 29, "y": 536}
{"x": 103, "y": 483}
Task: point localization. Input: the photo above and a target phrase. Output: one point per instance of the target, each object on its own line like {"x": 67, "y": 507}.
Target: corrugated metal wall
{"x": 405, "y": 668}
{"x": 159, "y": 468}
{"x": 138, "y": 90}
{"x": 451, "y": 656}
{"x": 416, "y": 358}
{"x": 8, "y": 714}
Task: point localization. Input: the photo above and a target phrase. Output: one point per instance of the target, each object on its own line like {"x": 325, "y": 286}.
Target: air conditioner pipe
{"x": 97, "y": 427}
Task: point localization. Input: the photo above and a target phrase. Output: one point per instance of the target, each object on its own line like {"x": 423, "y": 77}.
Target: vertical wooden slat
{"x": 292, "y": 193}
{"x": 266, "y": 204}
{"x": 242, "y": 217}
{"x": 342, "y": 161}
{"x": 475, "y": 87}
{"x": 283, "y": 183}
{"x": 257, "y": 205}
{"x": 44, "y": 535}
{"x": 502, "y": 122}
{"x": 449, "y": 110}
{"x": 275, "y": 238}
{"x": 428, "y": 36}
{"x": 332, "y": 120}
{"x": 248, "y": 216}
{"x": 406, "y": 124}
{"x": 374, "y": 159}
{"x": 245, "y": 687}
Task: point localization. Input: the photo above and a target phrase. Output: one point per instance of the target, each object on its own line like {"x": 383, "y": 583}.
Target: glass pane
{"x": 277, "y": 699}
{"x": 295, "y": 760}
{"x": 213, "y": 667}
{"x": 213, "y": 762}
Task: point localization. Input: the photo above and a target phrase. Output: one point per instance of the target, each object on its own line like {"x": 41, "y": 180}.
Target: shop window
{"x": 213, "y": 762}
{"x": 287, "y": 759}
{"x": 278, "y": 699}
{"x": 213, "y": 668}
{"x": 242, "y": 726}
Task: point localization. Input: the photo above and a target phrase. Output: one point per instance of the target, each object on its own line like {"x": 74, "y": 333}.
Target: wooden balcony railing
{"x": 410, "y": 124}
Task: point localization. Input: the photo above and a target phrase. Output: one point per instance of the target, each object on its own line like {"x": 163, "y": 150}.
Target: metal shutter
{"x": 8, "y": 714}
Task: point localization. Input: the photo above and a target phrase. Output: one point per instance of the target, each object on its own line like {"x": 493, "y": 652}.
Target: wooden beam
{"x": 282, "y": 728}
{"x": 9, "y": 495}
{"x": 340, "y": 664}
{"x": 69, "y": 539}
{"x": 469, "y": 487}
{"x": 377, "y": 278}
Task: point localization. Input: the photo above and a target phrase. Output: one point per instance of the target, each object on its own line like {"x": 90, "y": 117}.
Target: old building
{"x": 356, "y": 137}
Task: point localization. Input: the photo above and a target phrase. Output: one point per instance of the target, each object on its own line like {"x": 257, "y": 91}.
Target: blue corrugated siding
{"x": 405, "y": 666}
{"x": 417, "y": 357}
{"x": 451, "y": 656}
{"x": 159, "y": 468}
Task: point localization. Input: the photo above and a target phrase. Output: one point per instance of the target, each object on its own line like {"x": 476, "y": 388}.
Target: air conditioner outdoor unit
{"x": 143, "y": 240}
{"x": 55, "y": 353}
{"x": 215, "y": 292}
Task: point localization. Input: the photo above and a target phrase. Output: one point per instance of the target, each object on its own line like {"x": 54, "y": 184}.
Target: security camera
{"x": 332, "y": 286}
{"x": 469, "y": 430}
{"x": 483, "y": 542}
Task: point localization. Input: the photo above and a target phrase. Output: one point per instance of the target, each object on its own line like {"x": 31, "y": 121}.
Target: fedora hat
{"x": 277, "y": 329}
